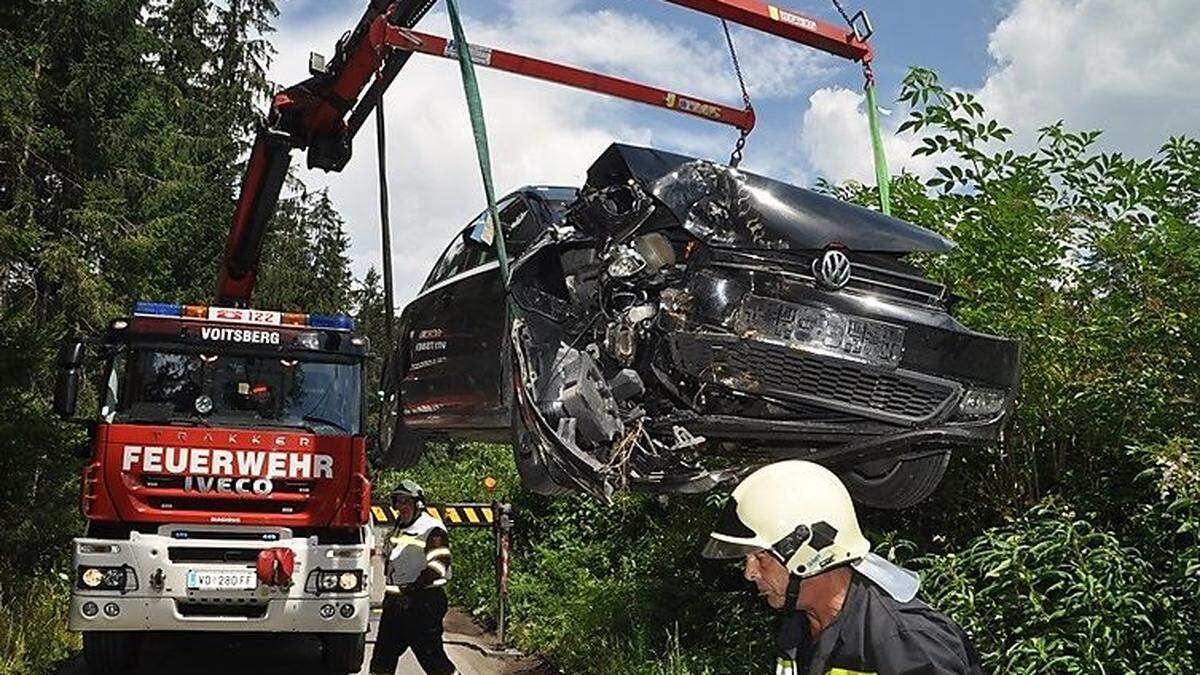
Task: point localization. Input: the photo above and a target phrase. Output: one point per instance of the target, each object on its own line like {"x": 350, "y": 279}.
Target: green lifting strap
{"x": 478, "y": 126}
{"x": 882, "y": 175}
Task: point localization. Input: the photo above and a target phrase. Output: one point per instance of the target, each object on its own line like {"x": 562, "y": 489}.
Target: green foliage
{"x": 33, "y": 626}
{"x": 1051, "y": 592}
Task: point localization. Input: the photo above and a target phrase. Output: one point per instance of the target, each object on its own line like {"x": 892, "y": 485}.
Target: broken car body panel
{"x": 730, "y": 208}
{"x": 682, "y": 322}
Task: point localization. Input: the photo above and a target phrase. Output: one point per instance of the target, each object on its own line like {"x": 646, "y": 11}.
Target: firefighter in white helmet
{"x": 845, "y": 609}
{"x": 418, "y": 567}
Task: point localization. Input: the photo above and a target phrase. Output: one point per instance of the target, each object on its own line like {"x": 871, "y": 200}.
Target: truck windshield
{"x": 167, "y": 386}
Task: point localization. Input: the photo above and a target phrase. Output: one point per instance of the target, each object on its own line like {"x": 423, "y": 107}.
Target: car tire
{"x": 110, "y": 652}
{"x": 342, "y": 652}
{"x": 904, "y": 483}
{"x": 406, "y": 446}
{"x": 535, "y": 476}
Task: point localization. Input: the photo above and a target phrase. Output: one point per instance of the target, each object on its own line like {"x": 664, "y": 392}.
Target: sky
{"x": 1125, "y": 67}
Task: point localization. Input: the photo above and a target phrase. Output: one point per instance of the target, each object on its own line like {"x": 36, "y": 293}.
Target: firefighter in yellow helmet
{"x": 845, "y": 609}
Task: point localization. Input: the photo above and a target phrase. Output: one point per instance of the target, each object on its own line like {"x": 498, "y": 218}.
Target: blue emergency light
{"x": 157, "y": 308}
{"x": 327, "y": 321}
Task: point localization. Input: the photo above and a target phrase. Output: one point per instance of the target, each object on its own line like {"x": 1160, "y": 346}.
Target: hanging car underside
{"x": 687, "y": 321}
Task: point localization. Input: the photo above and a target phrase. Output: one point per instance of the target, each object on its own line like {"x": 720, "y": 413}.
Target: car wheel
{"x": 407, "y": 446}
{"x": 535, "y": 476}
{"x": 109, "y": 653}
{"x": 897, "y": 484}
{"x": 342, "y": 653}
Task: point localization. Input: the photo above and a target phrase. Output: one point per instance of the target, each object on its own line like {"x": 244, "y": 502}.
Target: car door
{"x": 431, "y": 341}
{"x": 483, "y": 296}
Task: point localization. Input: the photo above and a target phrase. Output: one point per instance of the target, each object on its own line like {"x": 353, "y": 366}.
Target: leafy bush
{"x": 1051, "y": 592}
{"x": 33, "y": 626}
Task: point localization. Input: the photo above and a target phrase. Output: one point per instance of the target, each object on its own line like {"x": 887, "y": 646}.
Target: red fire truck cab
{"x": 227, "y": 485}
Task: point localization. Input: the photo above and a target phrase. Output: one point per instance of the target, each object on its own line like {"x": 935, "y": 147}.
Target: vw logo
{"x": 832, "y": 270}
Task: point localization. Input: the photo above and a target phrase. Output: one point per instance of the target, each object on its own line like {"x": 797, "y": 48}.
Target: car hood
{"x": 727, "y": 207}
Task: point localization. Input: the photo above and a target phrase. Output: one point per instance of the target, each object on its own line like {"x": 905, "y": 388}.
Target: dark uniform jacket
{"x": 875, "y": 634}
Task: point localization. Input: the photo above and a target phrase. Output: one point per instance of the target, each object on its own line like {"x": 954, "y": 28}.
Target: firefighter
{"x": 844, "y": 609}
{"x": 418, "y": 567}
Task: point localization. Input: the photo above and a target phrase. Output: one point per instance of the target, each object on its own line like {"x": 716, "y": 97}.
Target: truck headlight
{"x": 101, "y": 578}
{"x": 92, "y": 577}
{"x": 339, "y": 581}
{"x": 979, "y": 402}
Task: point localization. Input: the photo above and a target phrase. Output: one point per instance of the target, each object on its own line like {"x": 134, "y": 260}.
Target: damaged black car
{"x": 676, "y": 323}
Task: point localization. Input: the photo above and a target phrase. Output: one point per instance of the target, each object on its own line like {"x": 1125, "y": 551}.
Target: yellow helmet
{"x": 802, "y": 514}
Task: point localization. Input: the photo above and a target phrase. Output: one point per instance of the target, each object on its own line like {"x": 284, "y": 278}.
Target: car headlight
{"x": 348, "y": 581}
{"x": 327, "y": 582}
{"x": 100, "y": 578}
{"x": 981, "y": 402}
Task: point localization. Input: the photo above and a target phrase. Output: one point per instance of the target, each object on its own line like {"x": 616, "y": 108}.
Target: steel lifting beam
{"x": 575, "y": 77}
{"x": 787, "y": 24}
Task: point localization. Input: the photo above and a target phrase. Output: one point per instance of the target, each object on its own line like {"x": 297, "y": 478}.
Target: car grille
{"x": 868, "y": 275}
{"x": 758, "y": 367}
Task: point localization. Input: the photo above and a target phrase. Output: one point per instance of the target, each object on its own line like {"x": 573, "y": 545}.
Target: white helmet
{"x": 801, "y": 513}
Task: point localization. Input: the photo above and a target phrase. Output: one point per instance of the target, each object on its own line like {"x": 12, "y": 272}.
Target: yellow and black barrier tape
{"x": 453, "y": 514}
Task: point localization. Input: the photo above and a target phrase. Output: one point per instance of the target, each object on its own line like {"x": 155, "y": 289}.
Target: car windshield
{"x": 167, "y": 386}
{"x": 557, "y": 199}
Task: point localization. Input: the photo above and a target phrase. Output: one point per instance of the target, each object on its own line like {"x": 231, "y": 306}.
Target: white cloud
{"x": 835, "y": 136}
{"x": 1127, "y": 68}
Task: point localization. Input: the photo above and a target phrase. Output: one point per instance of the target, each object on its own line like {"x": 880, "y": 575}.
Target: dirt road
{"x": 471, "y": 650}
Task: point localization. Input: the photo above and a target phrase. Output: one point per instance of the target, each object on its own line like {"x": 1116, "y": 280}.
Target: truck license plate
{"x": 221, "y": 580}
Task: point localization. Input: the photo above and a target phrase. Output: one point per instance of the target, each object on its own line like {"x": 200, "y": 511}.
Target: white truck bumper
{"x": 156, "y": 595}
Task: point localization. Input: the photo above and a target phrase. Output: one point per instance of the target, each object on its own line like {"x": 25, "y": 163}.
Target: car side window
{"x": 450, "y": 263}
{"x": 514, "y": 213}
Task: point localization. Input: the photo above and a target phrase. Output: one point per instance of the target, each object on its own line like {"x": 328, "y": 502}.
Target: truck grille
{"x": 200, "y": 554}
{"x": 758, "y": 367}
{"x": 225, "y": 505}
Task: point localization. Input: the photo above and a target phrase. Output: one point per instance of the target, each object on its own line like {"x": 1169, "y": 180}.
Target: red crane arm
{"x": 787, "y": 24}
{"x": 580, "y": 79}
{"x": 311, "y": 115}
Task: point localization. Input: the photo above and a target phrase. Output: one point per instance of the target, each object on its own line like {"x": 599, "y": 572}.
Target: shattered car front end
{"x": 686, "y": 322}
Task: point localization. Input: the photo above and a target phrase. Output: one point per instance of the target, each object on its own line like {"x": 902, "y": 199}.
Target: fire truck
{"x": 227, "y": 484}
{"x": 226, "y": 487}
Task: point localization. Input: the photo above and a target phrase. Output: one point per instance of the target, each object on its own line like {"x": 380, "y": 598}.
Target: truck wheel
{"x": 343, "y": 652}
{"x": 109, "y": 652}
{"x": 898, "y": 483}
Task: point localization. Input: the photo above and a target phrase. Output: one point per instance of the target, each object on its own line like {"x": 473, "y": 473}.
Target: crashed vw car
{"x": 676, "y": 323}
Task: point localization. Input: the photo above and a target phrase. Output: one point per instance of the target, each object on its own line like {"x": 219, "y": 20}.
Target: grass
{"x": 33, "y": 625}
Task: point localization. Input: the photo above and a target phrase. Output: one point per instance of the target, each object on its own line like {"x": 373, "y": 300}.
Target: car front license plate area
{"x": 821, "y": 330}
{"x": 222, "y": 580}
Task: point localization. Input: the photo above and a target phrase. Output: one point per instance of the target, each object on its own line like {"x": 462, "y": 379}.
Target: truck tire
{"x": 109, "y": 652}
{"x": 343, "y": 652}
{"x": 897, "y": 484}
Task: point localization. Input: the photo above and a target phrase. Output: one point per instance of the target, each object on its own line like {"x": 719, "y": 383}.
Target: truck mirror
{"x": 66, "y": 387}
